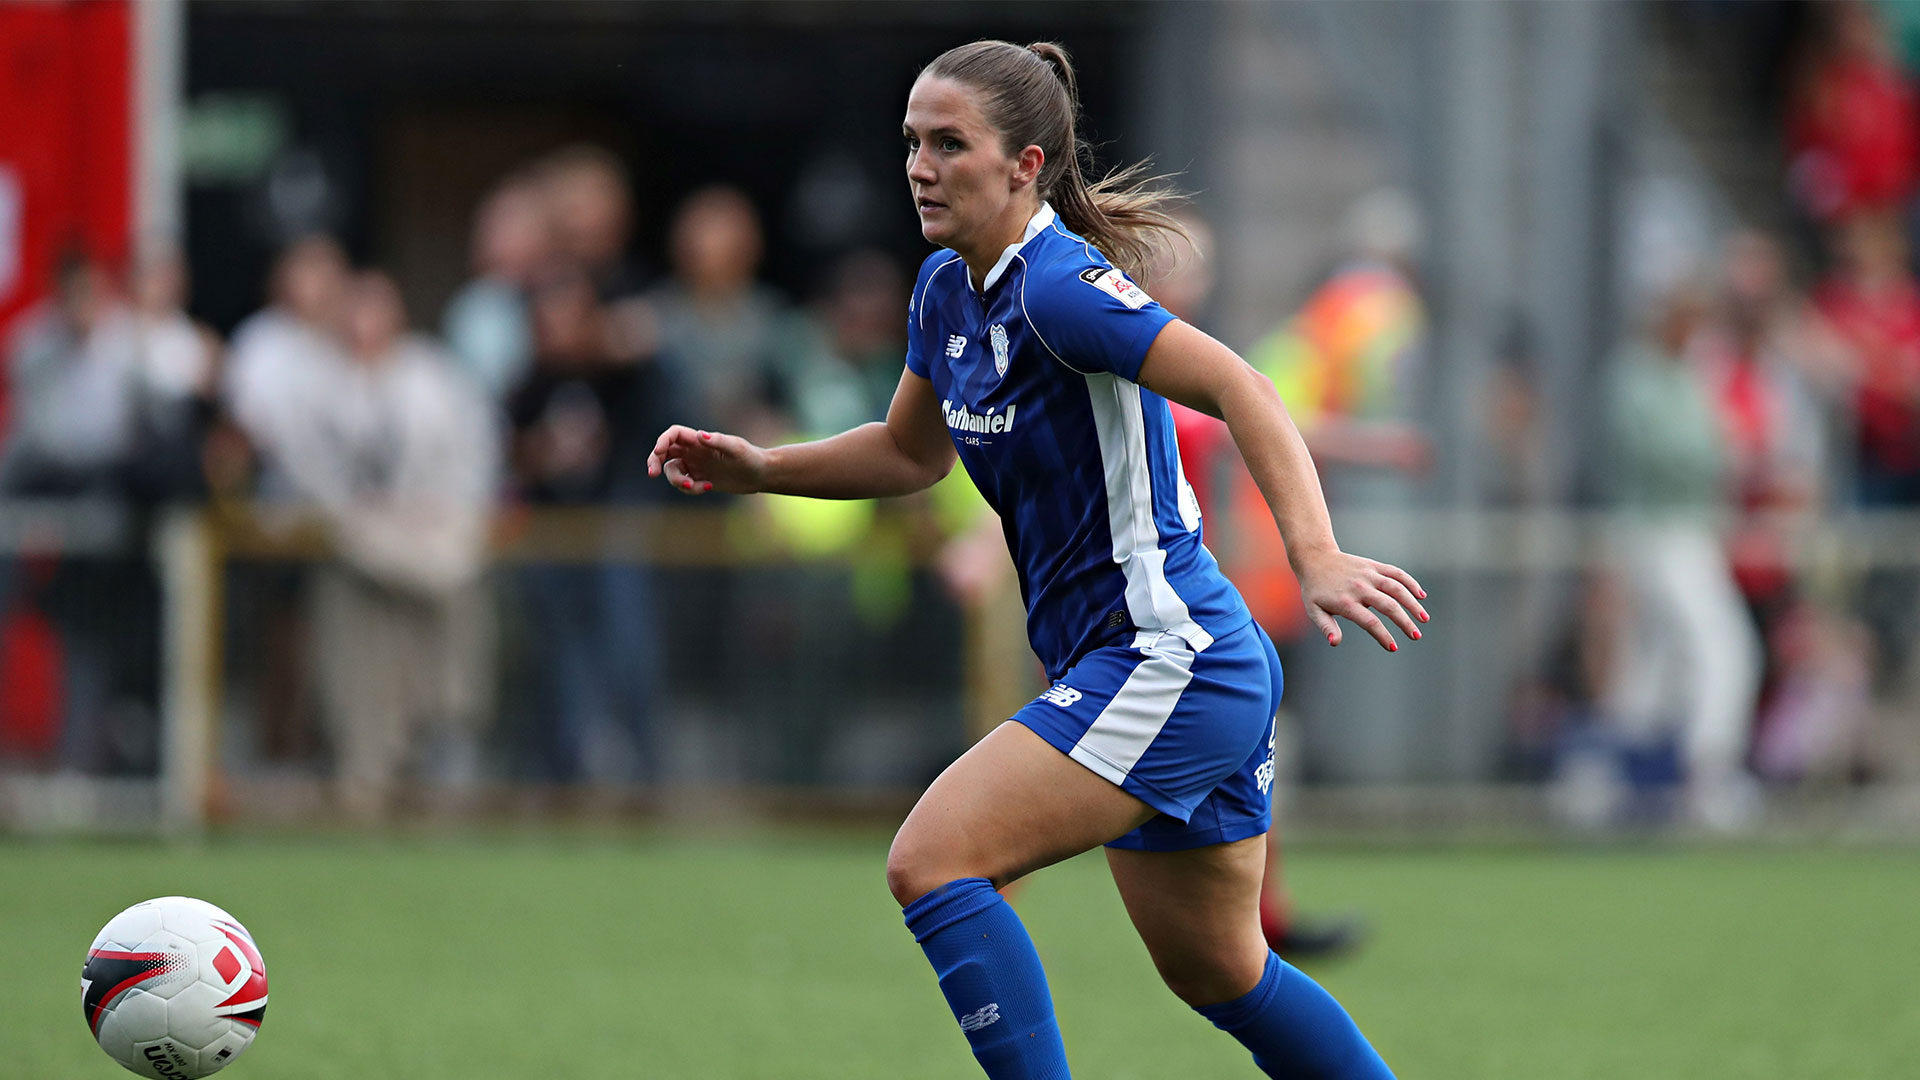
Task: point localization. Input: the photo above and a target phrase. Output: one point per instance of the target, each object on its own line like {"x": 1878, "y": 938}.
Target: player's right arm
{"x": 908, "y": 452}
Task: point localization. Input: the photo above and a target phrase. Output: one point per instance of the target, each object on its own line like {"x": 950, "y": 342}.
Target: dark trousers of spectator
{"x": 1889, "y": 594}
{"x": 596, "y": 647}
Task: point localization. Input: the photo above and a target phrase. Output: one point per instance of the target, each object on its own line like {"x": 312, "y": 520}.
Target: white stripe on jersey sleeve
{"x": 1152, "y": 602}
{"x": 1133, "y": 719}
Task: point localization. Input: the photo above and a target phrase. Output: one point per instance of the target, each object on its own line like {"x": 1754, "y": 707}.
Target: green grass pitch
{"x": 779, "y": 956}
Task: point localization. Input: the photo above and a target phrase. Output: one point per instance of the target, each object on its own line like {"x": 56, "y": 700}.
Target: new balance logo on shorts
{"x": 974, "y": 1021}
{"x": 1061, "y": 694}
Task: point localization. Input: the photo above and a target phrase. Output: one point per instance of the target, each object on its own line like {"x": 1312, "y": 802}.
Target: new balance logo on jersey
{"x": 956, "y": 345}
{"x": 974, "y": 1021}
{"x": 1061, "y": 694}
{"x": 960, "y": 418}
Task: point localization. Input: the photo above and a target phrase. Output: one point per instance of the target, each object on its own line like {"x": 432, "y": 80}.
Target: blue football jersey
{"x": 1035, "y": 375}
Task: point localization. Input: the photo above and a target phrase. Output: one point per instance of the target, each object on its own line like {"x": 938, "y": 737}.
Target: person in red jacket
{"x": 1851, "y": 128}
{"x": 1220, "y": 482}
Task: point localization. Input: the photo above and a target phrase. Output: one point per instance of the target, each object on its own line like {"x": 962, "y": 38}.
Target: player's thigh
{"x": 1198, "y": 912}
{"x": 1009, "y": 806}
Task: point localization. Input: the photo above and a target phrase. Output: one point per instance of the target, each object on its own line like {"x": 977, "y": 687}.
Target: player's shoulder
{"x": 1067, "y": 275}
{"x": 932, "y": 266}
{"x": 931, "y": 279}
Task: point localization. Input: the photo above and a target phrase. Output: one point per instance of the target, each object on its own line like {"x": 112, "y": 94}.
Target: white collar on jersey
{"x": 1036, "y": 225}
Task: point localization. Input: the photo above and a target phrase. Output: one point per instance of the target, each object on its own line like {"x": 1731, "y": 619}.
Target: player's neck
{"x": 993, "y": 240}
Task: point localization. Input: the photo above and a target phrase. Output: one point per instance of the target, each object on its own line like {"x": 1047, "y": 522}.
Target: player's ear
{"x": 1027, "y": 164}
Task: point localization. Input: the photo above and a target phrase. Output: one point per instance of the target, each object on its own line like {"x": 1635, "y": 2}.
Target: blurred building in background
{"x": 338, "y": 332}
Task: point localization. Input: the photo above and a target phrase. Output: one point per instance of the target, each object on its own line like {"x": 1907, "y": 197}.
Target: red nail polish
{"x": 1393, "y": 648}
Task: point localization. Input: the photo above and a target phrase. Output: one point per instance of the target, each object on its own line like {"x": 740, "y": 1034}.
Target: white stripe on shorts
{"x": 1133, "y": 719}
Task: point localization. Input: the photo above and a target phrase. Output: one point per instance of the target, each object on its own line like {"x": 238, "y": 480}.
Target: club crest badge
{"x": 998, "y": 335}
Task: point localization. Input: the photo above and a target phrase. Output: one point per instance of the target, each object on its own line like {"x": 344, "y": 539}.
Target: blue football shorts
{"x": 1188, "y": 733}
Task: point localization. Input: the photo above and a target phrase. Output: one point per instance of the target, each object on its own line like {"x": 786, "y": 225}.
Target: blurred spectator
{"x": 75, "y": 373}
{"x": 589, "y": 201}
{"x": 581, "y": 421}
{"x": 1349, "y": 362}
{"x": 73, "y": 366}
{"x": 1872, "y": 301}
{"x": 1813, "y": 697}
{"x": 1687, "y": 662}
{"x": 731, "y": 341}
{"x": 1851, "y": 129}
{"x": 1513, "y": 422}
{"x": 1756, "y": 357}
{"x": 487, "y": 323}
{"x": 177, "y": 381}
{"x": 279, "y": 361}
{"x": 281, "y": 355}
{"x": 589, "y": 204}
{"x": 399, "y": 453}
{"x": 850, "y": 377}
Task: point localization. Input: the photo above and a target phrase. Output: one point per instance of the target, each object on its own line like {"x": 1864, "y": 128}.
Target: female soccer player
{"x": 1033, "y": 357}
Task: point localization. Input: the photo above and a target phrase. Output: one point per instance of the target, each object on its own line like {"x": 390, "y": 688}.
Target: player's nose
{"x": 918, "y": 170}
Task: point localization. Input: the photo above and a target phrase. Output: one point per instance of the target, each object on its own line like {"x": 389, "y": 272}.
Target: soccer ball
{"x": 174, "y": 988}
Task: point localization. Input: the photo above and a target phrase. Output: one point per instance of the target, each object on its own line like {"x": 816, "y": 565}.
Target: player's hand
{"x": 696, "y": 462}
{"x": 1354, "y": 588}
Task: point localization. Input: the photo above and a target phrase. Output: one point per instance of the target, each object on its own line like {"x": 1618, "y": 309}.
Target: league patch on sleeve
{"x": 1116, "y": 284}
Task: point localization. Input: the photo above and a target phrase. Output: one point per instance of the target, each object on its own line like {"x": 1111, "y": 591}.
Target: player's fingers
{"x": 678, "y": 442}
{"x": 666, "y": 439}
{"x": 680, "y": 478}
{"x": 722, "y": 443}
{"x": 1402, "y": 577}
{"x": 1394, "y": 588}
{"x": 1391, "y": 607}
{"x": 1356, "y": 613}
{"x": 1404, "y": 598}
{"x": 1325, "y": 622}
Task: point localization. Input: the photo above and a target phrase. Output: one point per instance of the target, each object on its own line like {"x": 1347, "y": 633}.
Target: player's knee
{"x": 1209, "y": 978}
{"x": 907, "y": 872}
{"x": 915, "y": 867}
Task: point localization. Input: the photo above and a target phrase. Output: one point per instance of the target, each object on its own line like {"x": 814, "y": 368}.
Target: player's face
{"x": 962, "y": 179}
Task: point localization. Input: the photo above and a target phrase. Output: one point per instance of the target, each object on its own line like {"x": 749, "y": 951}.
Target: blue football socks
{"x": 1296, "y": 1030}
{"x": 992, "y": 979}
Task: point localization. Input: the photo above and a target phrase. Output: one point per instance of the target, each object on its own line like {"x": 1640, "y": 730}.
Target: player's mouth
{"x": 928, "y": 206}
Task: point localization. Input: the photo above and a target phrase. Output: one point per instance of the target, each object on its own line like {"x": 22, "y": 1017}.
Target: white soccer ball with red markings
{"x": 174, "y": 988}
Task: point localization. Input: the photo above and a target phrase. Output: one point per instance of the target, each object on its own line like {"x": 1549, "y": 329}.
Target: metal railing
{"x": 194, "y": 550}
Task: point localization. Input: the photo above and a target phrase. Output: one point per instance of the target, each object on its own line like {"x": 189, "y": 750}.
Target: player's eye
{"x": 950, "y": 146}
{"x": 912, "y": 143}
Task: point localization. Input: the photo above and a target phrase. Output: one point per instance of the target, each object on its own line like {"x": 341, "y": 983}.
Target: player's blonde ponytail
{"x": 1031, "y": 96}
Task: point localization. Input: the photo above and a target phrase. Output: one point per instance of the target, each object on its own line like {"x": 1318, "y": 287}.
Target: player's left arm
{"x": 1186, "y": 365}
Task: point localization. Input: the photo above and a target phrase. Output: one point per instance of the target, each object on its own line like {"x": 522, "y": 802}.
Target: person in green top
{"x": 1686, "y": 657}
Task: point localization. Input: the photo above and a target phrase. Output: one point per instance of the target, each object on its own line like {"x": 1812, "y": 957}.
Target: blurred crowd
{"x": 553, "y": 369}
{"x": 1716, "y": 654}
{"x": 1704, "y": 657}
